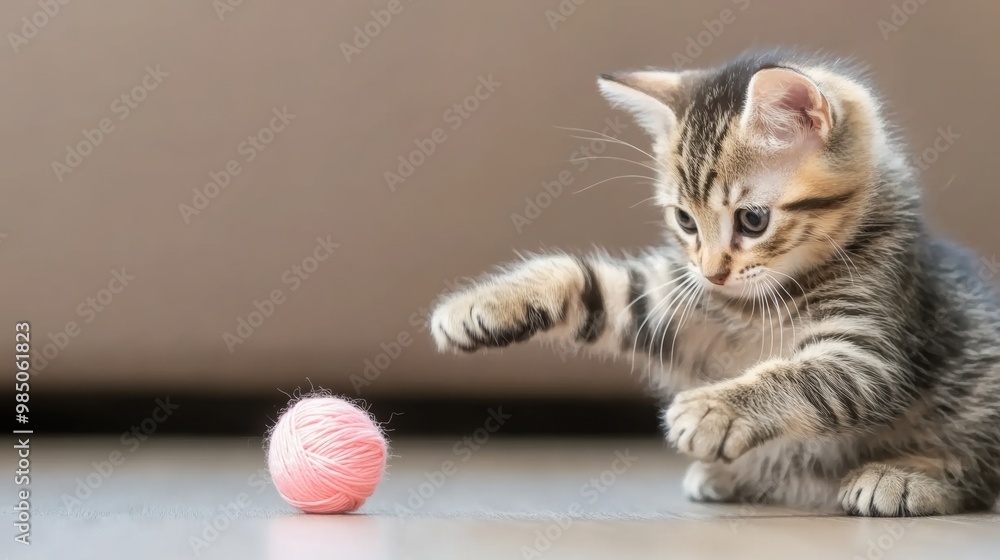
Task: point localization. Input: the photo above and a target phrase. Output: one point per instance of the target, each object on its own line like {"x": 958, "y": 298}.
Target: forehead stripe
{"x": 707, "y": 187}
{"x": 683, "y": 177}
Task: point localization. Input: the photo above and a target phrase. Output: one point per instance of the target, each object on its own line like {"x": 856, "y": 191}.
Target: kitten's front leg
{"x": 839, "y": 381}
{"x": 579, "y": 301}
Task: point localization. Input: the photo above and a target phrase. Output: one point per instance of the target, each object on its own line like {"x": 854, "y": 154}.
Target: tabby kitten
{"x": 821, "y": 347}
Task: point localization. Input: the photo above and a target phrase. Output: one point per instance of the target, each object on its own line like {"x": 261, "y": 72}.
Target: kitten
{"x": 822, "y": 348}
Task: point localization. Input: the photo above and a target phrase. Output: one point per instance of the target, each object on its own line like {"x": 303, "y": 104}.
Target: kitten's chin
{"x": 735, "y": 290}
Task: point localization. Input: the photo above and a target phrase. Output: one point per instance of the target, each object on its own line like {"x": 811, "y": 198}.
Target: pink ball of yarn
{"x": 326, "y": 455}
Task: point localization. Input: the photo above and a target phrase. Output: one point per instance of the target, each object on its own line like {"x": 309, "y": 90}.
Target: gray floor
{"x": 505, "y": 499}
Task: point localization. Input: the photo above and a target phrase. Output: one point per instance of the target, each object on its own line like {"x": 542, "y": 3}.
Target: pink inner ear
{"x": 785, "y": 108}
{"x": 798, "y": 98}
{"x": 795, "y": 100}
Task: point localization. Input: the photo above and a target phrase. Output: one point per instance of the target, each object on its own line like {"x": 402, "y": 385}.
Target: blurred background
{"x": 224, "y": 201}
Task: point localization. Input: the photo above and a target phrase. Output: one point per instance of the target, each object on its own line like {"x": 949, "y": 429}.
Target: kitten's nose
{"x": 718, "y": 278}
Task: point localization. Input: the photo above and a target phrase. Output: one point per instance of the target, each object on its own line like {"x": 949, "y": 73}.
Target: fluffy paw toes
{"x": 704, "y": 426}
{"x": 880, "y": 490}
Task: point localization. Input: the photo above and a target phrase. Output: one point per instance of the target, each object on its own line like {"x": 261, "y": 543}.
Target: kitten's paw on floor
{"x": 705, "y": 426}
{"x": 881, "y": 490}
{"x": 487, "y": 317}
{"x": 709, "y": 482}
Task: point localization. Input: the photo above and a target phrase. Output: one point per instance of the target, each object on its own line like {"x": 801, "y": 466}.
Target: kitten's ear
{"x": 784, "y": 109}
{"x": 647, "y": 95}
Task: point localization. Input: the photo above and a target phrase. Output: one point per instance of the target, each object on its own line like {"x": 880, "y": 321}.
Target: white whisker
{"x": 688, "y": 286}
{"x": 846, "y": 256}
{"x": 841, "y": 254}
{"x": 756, "y": 288}
{"x": 612, "y": 179}
{"x": 680, "y": 322}
{"x": 777, "y": 311}
{"x": 607, "y": 138}
{"x": 676, "y": 305}
{"x": 660, "y": 287}
{"x": 650, "y": 167}
{"x": 649, "y": 315}
{"x": 790, "y": 318}
{"x": 643, "y": 200}
{"x": 770, "y": 321}
{"x": 801, "y": 289}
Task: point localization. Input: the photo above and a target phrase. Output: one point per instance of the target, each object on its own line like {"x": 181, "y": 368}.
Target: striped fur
{"x": 850, "y": 359}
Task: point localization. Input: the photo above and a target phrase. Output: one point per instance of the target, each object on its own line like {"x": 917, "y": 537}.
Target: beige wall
{"x": 323, "y": 174}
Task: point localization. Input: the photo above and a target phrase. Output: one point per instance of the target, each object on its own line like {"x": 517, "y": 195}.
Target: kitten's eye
{"x": 686, "y": 221}
{"x": 752, "y": 222}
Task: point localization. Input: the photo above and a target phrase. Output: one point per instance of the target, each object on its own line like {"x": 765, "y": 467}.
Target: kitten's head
{"x": 765, "y": 165}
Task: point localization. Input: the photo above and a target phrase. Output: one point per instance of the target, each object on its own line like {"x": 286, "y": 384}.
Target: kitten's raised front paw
{"x": 704, "y": 425}
{"x": 488, "y": 316}
{"x": 709, "y": 482}
{"x": 881, "y": 490}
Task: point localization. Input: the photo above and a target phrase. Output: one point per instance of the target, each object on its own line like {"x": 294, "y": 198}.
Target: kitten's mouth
{"x": 747, "y": 284}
